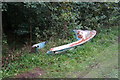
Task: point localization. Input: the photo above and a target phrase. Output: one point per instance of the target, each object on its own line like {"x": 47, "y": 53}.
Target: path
{"x": 35, "y": 73}
{"x": 108, "y": 67}
{"x": 105, "y": 66}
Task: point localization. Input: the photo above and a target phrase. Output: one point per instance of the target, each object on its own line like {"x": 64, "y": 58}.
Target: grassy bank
{"x": 77, "y": 62}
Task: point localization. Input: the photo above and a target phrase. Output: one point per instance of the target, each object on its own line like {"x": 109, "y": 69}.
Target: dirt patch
{"x": 35, "y": 73}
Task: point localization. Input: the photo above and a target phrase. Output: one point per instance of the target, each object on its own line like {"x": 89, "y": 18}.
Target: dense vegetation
{"x": 46, "y": 21}
{"x": 73, "y": 63}
{"x": 27, "y": 23}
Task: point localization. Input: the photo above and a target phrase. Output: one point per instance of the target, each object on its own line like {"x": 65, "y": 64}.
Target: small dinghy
{"x": 82, "y": 36}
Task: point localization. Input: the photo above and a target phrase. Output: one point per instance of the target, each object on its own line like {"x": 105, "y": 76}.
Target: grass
{"x": 72, "y": 63}
{"x": 105, "y": 64}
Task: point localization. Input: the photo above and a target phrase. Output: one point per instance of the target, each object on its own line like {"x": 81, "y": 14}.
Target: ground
{"x": 36, "y": 72}
{"x": 105, "y": 66}
{"x": 97, "y": 58}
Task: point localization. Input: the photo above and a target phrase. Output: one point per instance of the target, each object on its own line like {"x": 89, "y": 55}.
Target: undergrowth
{"x": 60, "y": 65}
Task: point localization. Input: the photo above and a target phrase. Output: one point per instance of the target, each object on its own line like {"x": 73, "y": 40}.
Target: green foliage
{"x": 62, "y": 64}
{"x": 54, "y": 19}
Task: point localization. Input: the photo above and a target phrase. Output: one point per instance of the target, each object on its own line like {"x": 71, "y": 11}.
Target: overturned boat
{"x": 82, "y": 36}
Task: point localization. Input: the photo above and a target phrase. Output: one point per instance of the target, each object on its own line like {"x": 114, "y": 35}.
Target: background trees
{"x": 27, "y": 23}
{"x": 51, "y": 20}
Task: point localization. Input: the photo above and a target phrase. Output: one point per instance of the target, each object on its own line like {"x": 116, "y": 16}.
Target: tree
{"x": 53, "y": 19}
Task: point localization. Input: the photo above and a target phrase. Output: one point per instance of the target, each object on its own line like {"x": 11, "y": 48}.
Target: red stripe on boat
{"x": 51, "y": 48}
{"x": 82, "y": 40}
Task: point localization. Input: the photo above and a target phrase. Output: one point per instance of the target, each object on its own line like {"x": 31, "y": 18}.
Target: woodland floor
{"x": 105, "y": 66}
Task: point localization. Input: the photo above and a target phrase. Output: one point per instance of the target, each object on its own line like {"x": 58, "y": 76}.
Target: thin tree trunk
{"x": 30, "y": 38}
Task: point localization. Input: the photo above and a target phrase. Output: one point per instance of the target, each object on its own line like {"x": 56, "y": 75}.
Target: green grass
{"x": 72, "y": 63}
{"x": 105, "y": 65}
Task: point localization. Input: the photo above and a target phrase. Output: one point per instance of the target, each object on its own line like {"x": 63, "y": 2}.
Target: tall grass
{"x": 60, "y": 65}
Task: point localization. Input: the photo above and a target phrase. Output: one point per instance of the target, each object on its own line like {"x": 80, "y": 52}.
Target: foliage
{"x": 53, "y": 20}
{"x": 33, "y": 22}
{"x": 60, "y": 65}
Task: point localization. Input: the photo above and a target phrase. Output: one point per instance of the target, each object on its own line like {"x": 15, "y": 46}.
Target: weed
{"x": 60, "y": 65}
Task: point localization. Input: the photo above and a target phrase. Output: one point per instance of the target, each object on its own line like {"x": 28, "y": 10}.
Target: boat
{"x": 82, "y": 37}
